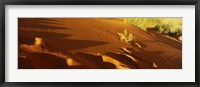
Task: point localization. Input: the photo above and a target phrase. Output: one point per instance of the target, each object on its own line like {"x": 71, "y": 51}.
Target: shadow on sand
{"x": 28, "y": 37}
{"x": 70, "y": 44}
{"x": 159, "y": 38}
{"x": 38, "y": 23}
{"x": 46, "y": 61}
{"x": 150, "y": 57}
{"x": 56, "y": 41}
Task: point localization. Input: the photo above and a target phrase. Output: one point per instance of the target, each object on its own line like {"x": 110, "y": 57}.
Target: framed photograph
{"x": 76, "y": 43}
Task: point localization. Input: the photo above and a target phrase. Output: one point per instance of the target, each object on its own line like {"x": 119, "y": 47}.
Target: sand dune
{"x": 85, "y": 43}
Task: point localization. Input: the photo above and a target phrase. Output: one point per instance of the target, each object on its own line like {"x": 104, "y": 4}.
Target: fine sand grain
{"x": 92, "y": 43}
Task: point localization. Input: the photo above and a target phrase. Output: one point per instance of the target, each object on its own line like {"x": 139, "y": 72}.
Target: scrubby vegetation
{"x": 168, "y": 26}
{"x": 125, "y": 36}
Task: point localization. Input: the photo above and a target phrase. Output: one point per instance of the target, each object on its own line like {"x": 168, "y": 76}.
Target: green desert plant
{"x": 162, "y": 25}
{"x": 142, "y": 23}
{"x": 125, "y": 36}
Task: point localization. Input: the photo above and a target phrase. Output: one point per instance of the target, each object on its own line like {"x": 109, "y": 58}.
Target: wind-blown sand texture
{"x": 92, "y": 43}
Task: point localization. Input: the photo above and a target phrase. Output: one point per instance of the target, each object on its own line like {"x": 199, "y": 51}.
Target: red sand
{"x": 98, "y": 36}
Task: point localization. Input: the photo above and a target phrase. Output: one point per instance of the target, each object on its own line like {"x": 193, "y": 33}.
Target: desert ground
{"x": 92, "y": 43}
